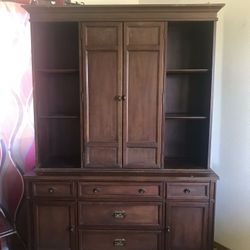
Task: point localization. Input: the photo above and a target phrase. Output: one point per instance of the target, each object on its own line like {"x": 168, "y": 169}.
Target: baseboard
{"x": 218, "y": 246}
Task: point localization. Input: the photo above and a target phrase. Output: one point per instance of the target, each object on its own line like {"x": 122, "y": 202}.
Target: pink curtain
{"x": 16, "y": 103}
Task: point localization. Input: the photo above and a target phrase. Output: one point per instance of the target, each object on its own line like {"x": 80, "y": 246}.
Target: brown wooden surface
{"x": 158, "y": 12}
{"x": 143, "y": 55}
{"x": 53, "y": 189}
{"x": 187, "y": 225}
{"x": 132, "y": 240}
{"x": 102, "y": 55}
{"x": 54, "y": 225}
{"x": 99, "y": 103}
{"x": 117, "y": 190}
{"x": 134, "y": 214}
{"x": 188, "y": 191}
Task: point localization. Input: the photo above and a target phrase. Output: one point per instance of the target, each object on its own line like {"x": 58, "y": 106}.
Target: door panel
{"x": 54, "y": 225}
{"x": 187, "y": 223}
{"x": 102, "y": 80}
{"x": 143, "y": 48}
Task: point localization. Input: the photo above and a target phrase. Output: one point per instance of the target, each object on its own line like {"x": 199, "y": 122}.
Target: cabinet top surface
{"x": 125, "y": 12}
{"x": 169, "y": 175}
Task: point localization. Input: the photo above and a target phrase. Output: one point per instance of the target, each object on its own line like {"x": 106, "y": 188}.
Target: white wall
{"x": 231, "y": 123}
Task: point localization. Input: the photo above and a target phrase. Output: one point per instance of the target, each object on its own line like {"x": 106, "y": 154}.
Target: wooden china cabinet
{"x": 122, "y": 98}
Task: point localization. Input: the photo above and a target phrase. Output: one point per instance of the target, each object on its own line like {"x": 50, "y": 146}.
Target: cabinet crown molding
{"x": 132, "y": 12}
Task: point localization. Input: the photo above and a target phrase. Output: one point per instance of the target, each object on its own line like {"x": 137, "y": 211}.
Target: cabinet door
{"x": 142, "y": 113}
{"x": 187, "y": 226}
{"x": 102, "y": 92}
{"x": 54, "y": 225}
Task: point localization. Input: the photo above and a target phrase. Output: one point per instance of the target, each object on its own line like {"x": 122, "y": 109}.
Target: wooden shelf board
{"x": 58, "y": 71}
{"x": 186, "y": 71}
{"x": 59, "y": 117}
{"x": 184, "y": 116}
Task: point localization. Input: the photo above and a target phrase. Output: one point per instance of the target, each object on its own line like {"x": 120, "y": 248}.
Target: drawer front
{"x": 127, "y": 240}
{"x": 188, "y": 190}
{"x": 120, "y": 214}
{"x": 118, "y": 190}
{"x": 53, "y": 189}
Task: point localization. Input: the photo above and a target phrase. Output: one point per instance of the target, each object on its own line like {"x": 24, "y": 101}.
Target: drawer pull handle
{"x": 51, "y": 190}
{"x": 187, "y": 191}
{"x": 119, "y": 243}
{"x": 141, "y": 191}
{"x": 96, "y": 190}
{"x": 119, "y": 214}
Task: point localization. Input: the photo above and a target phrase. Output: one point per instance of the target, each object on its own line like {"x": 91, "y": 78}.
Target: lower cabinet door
{"x": 120, "y": 239}
{"x": 187, "y": 226}
{"x": 54, "y": 225}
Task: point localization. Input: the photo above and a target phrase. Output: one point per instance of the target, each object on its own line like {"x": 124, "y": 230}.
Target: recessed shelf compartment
{"x": 186, "y": 143}
{"x": 58, "y": 95}
{"x": 190, "y": 45}
{"x": 59, "y": 143}
{"x": 56, "y": 45}
{"x": 188, "y": 94}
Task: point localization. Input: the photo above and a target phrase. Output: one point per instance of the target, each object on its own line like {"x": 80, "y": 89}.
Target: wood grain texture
{"x": 187, "y": 225}
{"x": 102, "y": 48}
{"x": 143, "y": 87}
{"x": 52, "y": 224}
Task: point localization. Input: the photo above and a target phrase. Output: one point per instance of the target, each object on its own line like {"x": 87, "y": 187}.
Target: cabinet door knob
{"x": 118, "y": 98}
{"x": 141, "y": 191}
{"x": 51, "y": 190}
{"x": 96, "y": 190}
{"x": 187, "y": 191}
{"x": 72, "y": 229}
{"x": 168, "y": 229}
{"x": 119, "y": 242}
{"x": 119, "y": 214}
{"x": 124, "y": 98}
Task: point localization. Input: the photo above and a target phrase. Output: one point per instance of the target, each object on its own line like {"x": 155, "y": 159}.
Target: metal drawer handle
{"x": 119, "y": 214}
{"x": 96, "y": 190}
{"x": 141, "y": 191}
{"x": 119, "y": 242}
{"x": 51, "y": 190}
{"x": 187, "y": 191}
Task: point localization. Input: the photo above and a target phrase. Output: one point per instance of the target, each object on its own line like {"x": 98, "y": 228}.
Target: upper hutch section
{"x": 123, "y": 87}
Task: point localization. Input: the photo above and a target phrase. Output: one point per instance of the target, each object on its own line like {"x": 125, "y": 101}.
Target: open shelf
{"x": 58, "y": 95}
{"x": 186, "y": 143}
{"x": 59, "y": 117}
{"x": 184, "y": 116}
{"x": 56, "y": 45}
{"x": 190, "y": 45}
{"x": 58, "y": 71}
{"x": 188, "y": 94}
{"x": 187, "y": 71}
{"x": 59, "y": 142}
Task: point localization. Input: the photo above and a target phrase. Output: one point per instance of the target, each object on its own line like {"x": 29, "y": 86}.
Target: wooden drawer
{"x": 181, "y": 190}
{"x": 119, "y": 239}
{"x": 120, "y": 214}
{"x": 53, "y": 189}
{"x": 120, "y": 190}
